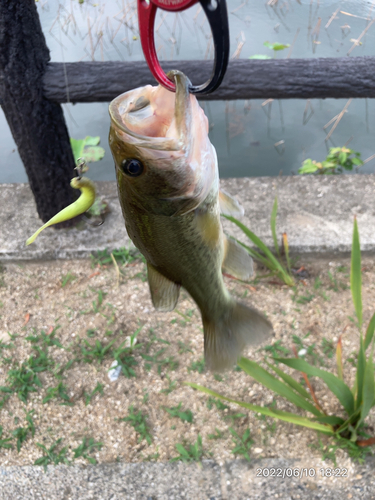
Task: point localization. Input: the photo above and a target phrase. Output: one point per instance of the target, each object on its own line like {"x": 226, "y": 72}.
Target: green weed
{"x": 50, "y": 456}
{"x": 21, "y": 433}
{"x": 264, "y": 255}
{"x": 137, "y": 420}
{"x": 47, "y": 340}
{"x": 5, "y": 443}
{"x": 242, "y": 444}
{"x": 193, "y": 453}
{"x": 87, "y": 446}
{"x": 217, "y": 435}
{"x": 22, "y": 381}
{"x": 172, "y": 385}
{"x": 197, "y": 366}
{"x": 184, "y": 348}
{"x": 276, "y": 349}
{"x": 88, "y": 396}
{"x": 184, "y": 415}
{"x": 67, "y": 278}
{"x": 121, "y": 255}
{"x": 337, "y": 160}
{"x": 60, "y": 391}
{"x": 95, "y": 352}
{"x": 211, "y": 402}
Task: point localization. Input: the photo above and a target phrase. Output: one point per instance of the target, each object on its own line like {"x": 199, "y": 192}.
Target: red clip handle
{"x": 146, "y": 19}
{"x": 216, "y": 12}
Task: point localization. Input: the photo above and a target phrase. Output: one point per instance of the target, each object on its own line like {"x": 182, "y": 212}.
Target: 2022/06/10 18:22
{"x": 301, "y": 472}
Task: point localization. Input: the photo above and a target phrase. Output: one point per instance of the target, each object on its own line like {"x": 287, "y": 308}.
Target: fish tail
{"x": 226, "y": 337}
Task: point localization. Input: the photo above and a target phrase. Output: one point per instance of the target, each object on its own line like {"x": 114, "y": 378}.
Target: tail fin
{"x": 225, "y": 338}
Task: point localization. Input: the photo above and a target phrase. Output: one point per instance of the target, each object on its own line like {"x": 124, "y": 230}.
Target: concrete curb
{"x": 316, "y": 212}
{"x": 234, "y": 480}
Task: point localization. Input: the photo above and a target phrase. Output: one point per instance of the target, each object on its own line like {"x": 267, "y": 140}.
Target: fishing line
{"x": 65, "y": 77}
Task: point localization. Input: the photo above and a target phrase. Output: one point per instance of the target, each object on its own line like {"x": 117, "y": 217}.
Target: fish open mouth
{"x": 154, "y": 117}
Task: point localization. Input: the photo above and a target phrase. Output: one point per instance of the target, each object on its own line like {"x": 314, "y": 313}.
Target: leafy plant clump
{"x": 137, "y": 420}
{"x": 337, "y": 160}
{"x": 348, "y": 426}
{"x": 87, "y": 149}
{"x": 265, "y": 256}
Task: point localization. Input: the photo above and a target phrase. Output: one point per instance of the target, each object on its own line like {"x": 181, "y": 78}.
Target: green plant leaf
{"x": 260, "y": 56}
{"x": 273, "y": 263}
{"x": 331, "y": 420}
{"x": 361, "y": 367}
{"x": 273, "y": 226}
{"x": 368, "y": 388}
{"x": 370, "y": 332}
{"x": 337, "y": 386}
{"x": 87, "y": 148}
{"x": 357, "y": 161}
{"x": 340, "y": 372}
{"x": 308, "y": 167}
{"x": 356, "y": 274}
{"x": 290, "y": 381}
{"x": 265, "y": 378}
{"x": 263, "y": 410}
{"x": 276, "y": 46}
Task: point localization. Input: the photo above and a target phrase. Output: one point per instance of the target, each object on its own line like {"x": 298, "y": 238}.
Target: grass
{"x": 217, "y": 434}
{"x": 211, "y": 402}
{"x": 58, "y": 392}
{"x": 197, "y": 366}
{"x": 98, "y": 390}
{"x": 46, "y": 340}
{"x": 22, "y": 381}
{"x": 122, "y": 256}
{"x": 172, "y": 385}
{"x": 22, "y": 433}
{"x": 137, "y": 420}
{"x": 5, "y": 442}
{"x": 263, "y": 254}
{"x": 67, "y": 278}
{"x": 276, "y": 349}
{"x": 242, "y": 444}
{"x": 87, "y": 446}
{"x": 50, "y": 456}
{"x": 184, "y": 415}
{"x": 169, "y": 363}
{"x": 193, "y": 452}
{"x": 95, "y": 352}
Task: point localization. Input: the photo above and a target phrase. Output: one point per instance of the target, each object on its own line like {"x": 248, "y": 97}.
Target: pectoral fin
{"x": 229, "y": 205}
{"x": 237, "y": 262}
{"x": 164, "y": 293}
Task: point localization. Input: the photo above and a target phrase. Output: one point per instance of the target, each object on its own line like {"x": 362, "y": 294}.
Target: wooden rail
{"x": 341, "y": 77}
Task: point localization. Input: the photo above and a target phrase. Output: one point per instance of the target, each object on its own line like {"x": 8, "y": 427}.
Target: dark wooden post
{"x": 37, "y": 124}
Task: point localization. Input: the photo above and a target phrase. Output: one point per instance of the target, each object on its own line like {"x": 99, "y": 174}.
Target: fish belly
{"x": 179, "y": 250}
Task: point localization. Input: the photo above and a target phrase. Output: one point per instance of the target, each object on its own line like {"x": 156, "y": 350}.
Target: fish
{"x": 168, "y": 186}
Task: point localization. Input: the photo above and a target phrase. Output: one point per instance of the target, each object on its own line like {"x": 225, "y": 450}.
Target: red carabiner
{"x": 216, "y": 13}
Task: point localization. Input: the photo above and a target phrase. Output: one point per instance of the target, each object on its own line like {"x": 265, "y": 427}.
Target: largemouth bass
{"x": 168, "y": 185}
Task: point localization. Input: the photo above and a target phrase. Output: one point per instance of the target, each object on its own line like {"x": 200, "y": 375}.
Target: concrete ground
{"x": 234, "y": 480}
{"x": 317, "y": 214}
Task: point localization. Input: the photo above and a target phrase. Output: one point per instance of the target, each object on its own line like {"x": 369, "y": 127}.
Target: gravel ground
{"x": 78, "y": 304}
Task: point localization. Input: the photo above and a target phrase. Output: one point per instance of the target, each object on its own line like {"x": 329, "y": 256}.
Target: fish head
{"x": 165, "y": 162}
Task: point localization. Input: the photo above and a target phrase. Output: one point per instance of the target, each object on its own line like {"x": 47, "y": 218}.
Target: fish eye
{"x": 132, "y": 167}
